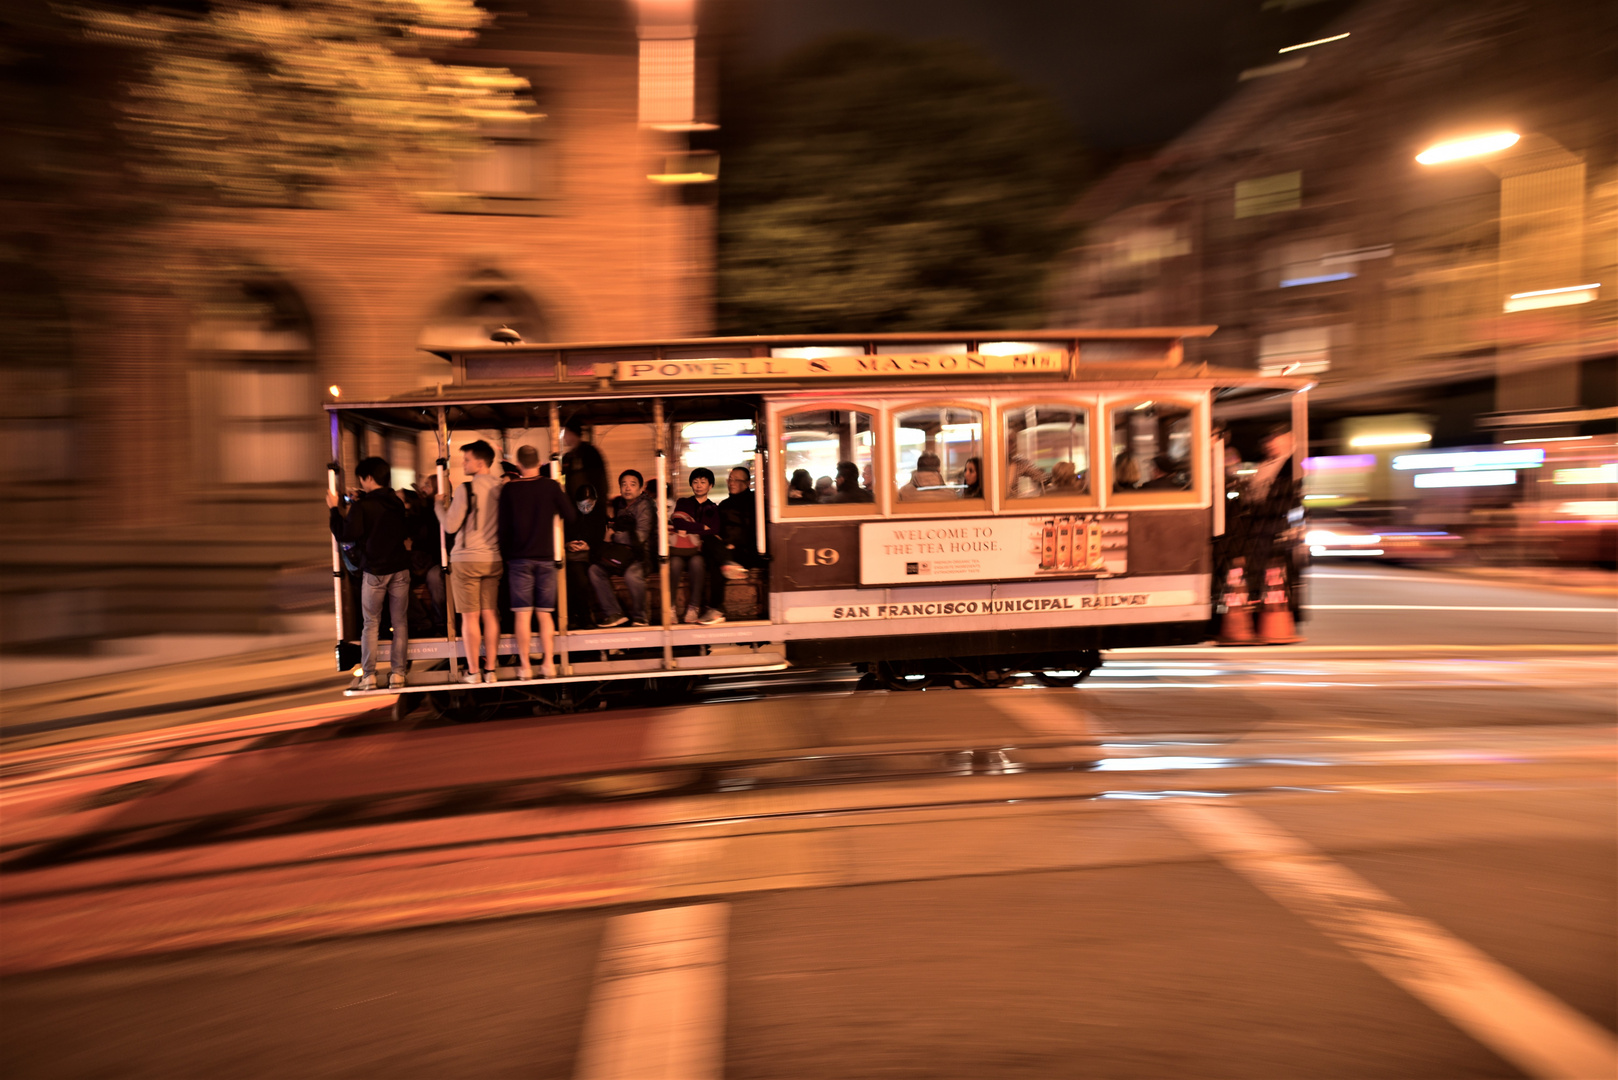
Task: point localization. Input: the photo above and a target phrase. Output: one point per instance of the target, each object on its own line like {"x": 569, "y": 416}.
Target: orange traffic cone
{"x": 1236, "y": 628}
{"x": 1275, "y": 626}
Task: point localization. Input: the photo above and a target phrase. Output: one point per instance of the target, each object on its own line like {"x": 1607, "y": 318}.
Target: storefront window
{"x": 1151, "y": 446}
{"x": 938, "y": 454}
{"x": 1047, "y": 451}
{"x": 828, "y": 457}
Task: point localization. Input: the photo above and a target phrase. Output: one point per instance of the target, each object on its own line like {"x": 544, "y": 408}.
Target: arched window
{"x": 257, "y": 394}
{"x": 486, "y": 303}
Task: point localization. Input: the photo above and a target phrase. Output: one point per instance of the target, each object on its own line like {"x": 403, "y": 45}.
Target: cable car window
{"x": 938, "y": 454}
{"x": 1151, "y": 446}
{"x": 716, "y": 445}
{"x": 1047, "y": 451}
{"x": 828, "y": 456}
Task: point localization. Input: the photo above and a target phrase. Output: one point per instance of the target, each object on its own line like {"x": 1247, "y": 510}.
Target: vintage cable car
{"x": 957, "y": 507}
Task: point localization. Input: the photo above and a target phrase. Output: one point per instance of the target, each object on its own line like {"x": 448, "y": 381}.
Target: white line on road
{"x": 1440, "y": 607}
{"x": 657, "y": 1011}
{"x": 1493, "y": 1004}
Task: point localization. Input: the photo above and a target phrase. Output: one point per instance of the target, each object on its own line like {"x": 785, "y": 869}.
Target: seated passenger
{"x": 801, "y": 490}
{"x": 972, "y": 479}
{"x": 926, "y": 482}
{"x": 1171, "y": 475}
{"x": 738, "y": 516}
{"x": 1125, "y": 473}
{"x": 848, "y": 485}
{"x": 627, "y": 554}
{"x": 825, "y": 488}
{"x": 1065, "y": 477}
{"x": 586, "y": 535}
{"x": 695, "y": 529}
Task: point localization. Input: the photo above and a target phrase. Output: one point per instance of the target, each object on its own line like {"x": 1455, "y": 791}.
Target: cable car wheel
{"x": 892, "y": 675}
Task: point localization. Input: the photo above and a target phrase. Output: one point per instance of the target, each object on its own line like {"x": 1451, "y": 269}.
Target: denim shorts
{"x": 533, "y": 584}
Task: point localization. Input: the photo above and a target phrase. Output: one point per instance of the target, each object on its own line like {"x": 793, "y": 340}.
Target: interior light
{"x": 334, "y": 390}
{"x": 1466, "y": 460}
{"x": 1398, "y": 438}
{"x": 1559, "y": 438}
{"x": 1566, "y": 296}
{"x": 1471, "y": 146}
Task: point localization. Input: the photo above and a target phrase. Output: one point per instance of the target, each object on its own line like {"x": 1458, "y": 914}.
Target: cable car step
{"x": 726, "y": 663}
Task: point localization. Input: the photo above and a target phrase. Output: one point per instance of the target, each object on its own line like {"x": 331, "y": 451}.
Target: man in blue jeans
{"x": 529, "y": 508}
{"x": 374, "y": 525}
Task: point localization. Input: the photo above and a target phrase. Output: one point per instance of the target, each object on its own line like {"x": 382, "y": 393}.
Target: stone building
{"x": 1479, "y": 294}
{"x": 168, "y": 475}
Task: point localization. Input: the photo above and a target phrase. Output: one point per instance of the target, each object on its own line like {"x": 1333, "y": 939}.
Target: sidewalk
{"x": 161, "y": 677}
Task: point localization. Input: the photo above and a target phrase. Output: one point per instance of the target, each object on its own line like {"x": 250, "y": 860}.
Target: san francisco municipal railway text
{"x": 990, "y": 607}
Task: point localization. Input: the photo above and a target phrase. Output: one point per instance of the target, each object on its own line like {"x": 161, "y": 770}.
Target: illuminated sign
{"x": 1464, "y": 461}
{"x": 1466, "y": 479}
{"x": 841, "y": 367}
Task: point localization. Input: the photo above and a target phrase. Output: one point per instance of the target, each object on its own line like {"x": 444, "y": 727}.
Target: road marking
{"x": 657, "y": 1011}
{"x": 1502, "y": 1010}
{"x": 1440, "y": 607}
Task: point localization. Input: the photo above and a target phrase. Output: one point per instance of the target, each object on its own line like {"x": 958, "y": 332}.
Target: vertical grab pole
{"x": 759, "y": 459}
{"x": 559, "y": 545}
{"x": 1218, "y": 472}
{"x": 663, "y": 531}
{"x": 336, "y": 554}
{"x": 443, "y": 546}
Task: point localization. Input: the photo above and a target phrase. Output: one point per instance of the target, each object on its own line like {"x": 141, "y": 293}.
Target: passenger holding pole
{"x": 529, "y": 507}
{"x": 374, "y": 524}
{"x": 473, "y": 514}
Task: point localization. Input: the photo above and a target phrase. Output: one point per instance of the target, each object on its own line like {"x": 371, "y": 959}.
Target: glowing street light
{"x": 1469, "y": 147}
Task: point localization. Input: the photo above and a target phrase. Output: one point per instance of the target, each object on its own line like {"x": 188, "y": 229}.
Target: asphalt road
{"x": 1389, "y": 854}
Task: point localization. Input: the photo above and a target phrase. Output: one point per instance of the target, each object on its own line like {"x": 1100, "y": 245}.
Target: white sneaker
{"x": 711, "y": 616}
{"x": 396, "y": 680}
{"x": 363, "y": 682}
{"x": 619, "y": 621}
{"x": 690, "y": 615}
{"x": 491, "y": 676}
{"x": 525, "y": 672}
{"x": 471, "y": 677}
{"x": 548, "y": 669}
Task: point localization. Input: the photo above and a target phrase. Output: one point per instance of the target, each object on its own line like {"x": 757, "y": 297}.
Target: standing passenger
{"x": 581, "y": 461}
{"x": 694, "y": 547}
{"x": 528, "y": 511}
{"x": 375, "y": 526}
{"x": 473, "y": 514}
{"x": 632, "y": 521}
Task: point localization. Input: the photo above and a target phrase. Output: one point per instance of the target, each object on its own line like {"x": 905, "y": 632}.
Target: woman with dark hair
{"x": 801, "y": 489}
{"x": 972, "y": 479}
{"x": 696, "y": 540}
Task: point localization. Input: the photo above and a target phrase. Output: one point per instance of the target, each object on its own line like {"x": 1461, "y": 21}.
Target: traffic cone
{"x": 1236, "y": 628}
{"x": 1275, "y": 626}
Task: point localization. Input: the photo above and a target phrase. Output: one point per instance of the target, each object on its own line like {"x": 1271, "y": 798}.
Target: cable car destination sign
{"x": 842, "y": 367}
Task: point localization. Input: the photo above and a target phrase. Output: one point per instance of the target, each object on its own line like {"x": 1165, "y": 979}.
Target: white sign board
{"x": 1018, "y": 605}
{"x": 901, "y": 551}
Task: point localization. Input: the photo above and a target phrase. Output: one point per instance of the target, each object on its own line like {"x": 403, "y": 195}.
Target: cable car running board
{"x": 609, "y": 671}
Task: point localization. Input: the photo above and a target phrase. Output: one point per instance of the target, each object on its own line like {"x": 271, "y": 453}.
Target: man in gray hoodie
{"x": 473, "y": 514}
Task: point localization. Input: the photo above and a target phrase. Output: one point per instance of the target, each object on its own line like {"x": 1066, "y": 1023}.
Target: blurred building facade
{"x": 166, "y": 471}
{"x": 1480, "y": 294}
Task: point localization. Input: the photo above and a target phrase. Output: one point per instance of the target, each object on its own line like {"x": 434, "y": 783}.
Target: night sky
{"x": 1129, "y": 74}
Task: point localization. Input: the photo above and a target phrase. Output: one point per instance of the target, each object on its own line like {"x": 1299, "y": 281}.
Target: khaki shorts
{"x": 475, "y": 585}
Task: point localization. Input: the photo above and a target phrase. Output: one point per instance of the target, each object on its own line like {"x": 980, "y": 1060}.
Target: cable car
{"x": 951, "y": 507}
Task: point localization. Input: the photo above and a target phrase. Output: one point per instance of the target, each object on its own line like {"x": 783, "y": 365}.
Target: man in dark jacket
{"x": 633, "y": 519}
{"x": 374, "y": 524}
{"x": 586, "y": 537}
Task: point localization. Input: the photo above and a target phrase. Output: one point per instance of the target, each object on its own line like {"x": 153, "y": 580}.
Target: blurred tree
{"x": 119, "y": 116}
{"x": 881, "y": 185}
{"x": 256, "y": 103}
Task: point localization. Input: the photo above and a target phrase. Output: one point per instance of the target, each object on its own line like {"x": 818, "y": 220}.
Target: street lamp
{"x": 1471, "y": 146}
